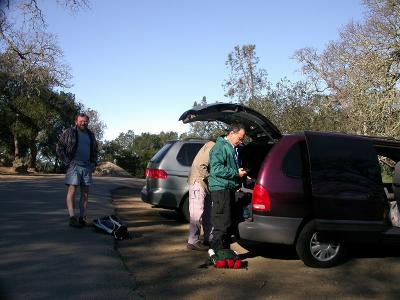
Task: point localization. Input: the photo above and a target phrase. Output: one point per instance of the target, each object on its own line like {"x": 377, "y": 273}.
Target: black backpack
{"x": 113, "y": 226}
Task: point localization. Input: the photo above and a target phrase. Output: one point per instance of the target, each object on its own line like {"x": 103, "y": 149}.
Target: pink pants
{"x": 200, "y": 213}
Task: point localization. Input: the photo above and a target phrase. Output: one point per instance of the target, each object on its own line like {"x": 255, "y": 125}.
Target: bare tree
{"x": 23, "y": 31}
{"x": 95, "y": 124}
{"x": 31, "y": 58}
{"x": 246, "y": 80}
{"x": 361, "y": 70}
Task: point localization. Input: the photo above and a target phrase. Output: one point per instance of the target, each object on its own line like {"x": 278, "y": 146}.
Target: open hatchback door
{"x": 257, "y": 126}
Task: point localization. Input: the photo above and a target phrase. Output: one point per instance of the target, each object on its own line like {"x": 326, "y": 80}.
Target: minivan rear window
{"x": 292, "y": 164}
{"x": 187, "y": 153}
{"x": 161, "y": 153}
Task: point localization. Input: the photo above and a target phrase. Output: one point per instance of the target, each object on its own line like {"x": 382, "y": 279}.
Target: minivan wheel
{"x": 184, "y": 209}
{"x": 314, "y": 253}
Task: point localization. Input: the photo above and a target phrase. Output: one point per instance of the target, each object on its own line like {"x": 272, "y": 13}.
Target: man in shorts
{"x": 77, "y": 149}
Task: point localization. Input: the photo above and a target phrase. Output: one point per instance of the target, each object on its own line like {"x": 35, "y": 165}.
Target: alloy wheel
{"x": 323, "y": 251}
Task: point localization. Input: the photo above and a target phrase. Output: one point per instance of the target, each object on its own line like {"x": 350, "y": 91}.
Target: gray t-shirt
{"x": 82, "y": 155}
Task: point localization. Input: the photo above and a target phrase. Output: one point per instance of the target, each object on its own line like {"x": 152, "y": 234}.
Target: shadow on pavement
{"x": 41, "y": 257}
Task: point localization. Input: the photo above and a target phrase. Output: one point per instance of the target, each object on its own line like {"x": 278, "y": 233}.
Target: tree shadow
{"x": 172, "y": 215}
{"x": 274, "y": 251}
{"x": 372, "y": 250}
{"x": 287, "y": 252}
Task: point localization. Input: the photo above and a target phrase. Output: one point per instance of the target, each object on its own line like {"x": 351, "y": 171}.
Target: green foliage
{"x": 387, "y": 175}
{"x": 294, "y": 107}
{"x": 146, "y": 145}
{"x": 132, "y": 152}
{"x": 32, "y": 119}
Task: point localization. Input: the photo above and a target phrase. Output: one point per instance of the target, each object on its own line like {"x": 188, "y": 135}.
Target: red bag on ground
{"x": 225, "y": 258}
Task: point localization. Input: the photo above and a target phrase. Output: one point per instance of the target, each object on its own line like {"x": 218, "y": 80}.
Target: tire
{"x": 315, "y": 254}
{"x": 184, "y": 209}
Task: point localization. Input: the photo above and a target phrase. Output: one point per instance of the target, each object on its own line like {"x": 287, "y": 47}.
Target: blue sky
{"x": 140, "y": 64}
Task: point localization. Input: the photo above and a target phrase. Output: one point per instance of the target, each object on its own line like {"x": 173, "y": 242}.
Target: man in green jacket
{"x": 223, "y": 181}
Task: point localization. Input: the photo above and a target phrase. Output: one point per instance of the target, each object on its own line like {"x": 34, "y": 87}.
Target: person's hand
{"x": 242, "y": 172}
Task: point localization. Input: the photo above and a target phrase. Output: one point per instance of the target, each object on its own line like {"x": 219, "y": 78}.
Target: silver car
{"x": 167, "y": 174}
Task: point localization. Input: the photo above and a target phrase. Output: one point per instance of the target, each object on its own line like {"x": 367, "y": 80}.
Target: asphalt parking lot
{"x": 42, "y": 258}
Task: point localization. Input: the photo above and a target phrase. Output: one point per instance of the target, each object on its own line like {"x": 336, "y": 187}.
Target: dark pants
{"x": 221, "y": 218}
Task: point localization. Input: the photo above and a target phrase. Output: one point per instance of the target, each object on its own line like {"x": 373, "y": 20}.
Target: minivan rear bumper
{"x": 269, "y": 229}
{"x": 160, "y": 198}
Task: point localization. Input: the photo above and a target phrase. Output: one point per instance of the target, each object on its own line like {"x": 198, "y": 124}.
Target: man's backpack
{"x": 113, "y": 226}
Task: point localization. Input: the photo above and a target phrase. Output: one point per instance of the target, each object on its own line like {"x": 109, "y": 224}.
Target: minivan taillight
{"x": 260, "y": 200}
{"x": 156, "y": 174}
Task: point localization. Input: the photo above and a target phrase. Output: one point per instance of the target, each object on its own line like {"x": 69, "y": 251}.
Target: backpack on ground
{"x": 113, "y": 226}
{"x": 225, "y": 258}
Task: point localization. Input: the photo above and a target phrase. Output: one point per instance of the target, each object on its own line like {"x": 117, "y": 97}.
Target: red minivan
{"x": 316, "y": 191}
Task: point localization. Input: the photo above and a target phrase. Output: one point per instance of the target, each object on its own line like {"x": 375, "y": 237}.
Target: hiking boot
{"x": 198, "y": 246}
{"x": 83, "y": 221}
{"x": 73, "y": 222}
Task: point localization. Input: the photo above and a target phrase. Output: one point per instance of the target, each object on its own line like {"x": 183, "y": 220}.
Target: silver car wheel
{"x": 323, "y": 251}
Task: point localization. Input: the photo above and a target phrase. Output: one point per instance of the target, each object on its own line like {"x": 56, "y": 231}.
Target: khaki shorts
{"x": 78, "y": 175}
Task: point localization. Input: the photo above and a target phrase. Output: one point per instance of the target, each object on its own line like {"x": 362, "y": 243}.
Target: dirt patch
{"x": 12, "y": 171}
{"x": 109, "y": 169}
{"x": 7, "y": 170}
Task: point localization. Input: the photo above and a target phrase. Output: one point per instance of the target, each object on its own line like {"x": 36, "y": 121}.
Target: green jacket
{"x": 223, "y": 167}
